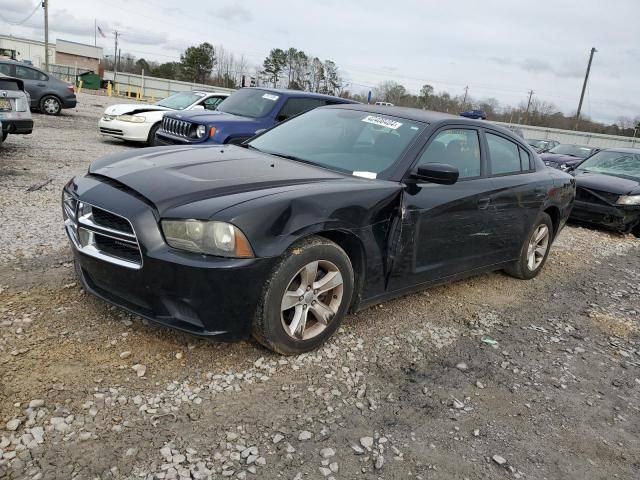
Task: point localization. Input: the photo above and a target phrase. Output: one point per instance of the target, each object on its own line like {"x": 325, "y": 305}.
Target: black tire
{"x": 151, "y": 139}
{"x": 520, "y": 268}
{"x": 269, "y": 323}
{"x": 636, "y": 231}
{"x": 50, "y": 105}
{"x": 4, "y": 136}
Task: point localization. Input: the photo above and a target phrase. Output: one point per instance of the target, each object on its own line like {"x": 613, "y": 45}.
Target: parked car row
{"x": 48, "y": 94}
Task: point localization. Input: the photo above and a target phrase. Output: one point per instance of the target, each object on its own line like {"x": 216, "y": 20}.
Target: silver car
{"x": 15, "y": 115}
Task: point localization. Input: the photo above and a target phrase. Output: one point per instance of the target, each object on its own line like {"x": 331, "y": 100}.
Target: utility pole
{"x": 115, "y": 61}
{"x": 45, "y": 5}
{"x": 584, "y": 86}
{"x": 464, "y": 101}
{"x": 526, "y": 115}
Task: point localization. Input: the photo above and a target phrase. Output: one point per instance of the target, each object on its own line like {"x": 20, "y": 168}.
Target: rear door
{"x": 35, "y": 82}
{"x": 516, "y": 196}
{"x": 444, "y": 227}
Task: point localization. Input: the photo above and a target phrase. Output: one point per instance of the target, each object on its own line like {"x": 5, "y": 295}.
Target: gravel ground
{"x": 489, "y": 377}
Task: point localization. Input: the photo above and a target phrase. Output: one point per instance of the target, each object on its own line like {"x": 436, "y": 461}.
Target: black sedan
{"x": 608, "y": 190}
{"x": 565, "y": 156}
{"x": 331, "y": 211}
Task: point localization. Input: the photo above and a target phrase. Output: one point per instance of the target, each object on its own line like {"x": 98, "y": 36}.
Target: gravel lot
{"x": 485, "y": 378}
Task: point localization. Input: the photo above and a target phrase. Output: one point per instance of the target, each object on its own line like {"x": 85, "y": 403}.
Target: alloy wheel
{"x": 311, "y": 300}
{"x": 538, "y": 246}
{"x": 51, "y": 106}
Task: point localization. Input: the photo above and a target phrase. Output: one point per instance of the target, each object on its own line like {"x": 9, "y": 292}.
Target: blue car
{"x": 475, "y": 114}
{"x": 239, "y": 117}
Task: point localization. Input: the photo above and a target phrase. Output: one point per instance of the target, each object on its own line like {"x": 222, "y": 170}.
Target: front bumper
{"x": 619, "y": 218}
{"x": 202, "y": 295}
{"x": 133, "y": 132}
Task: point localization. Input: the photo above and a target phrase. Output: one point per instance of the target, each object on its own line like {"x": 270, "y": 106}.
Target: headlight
{"x": 131, "y": 118}
{"x": 629, "y": 200}
{"x": 213, "y": 238}
{"x": 201, "y": 131}
{"x": 548, "y": 164}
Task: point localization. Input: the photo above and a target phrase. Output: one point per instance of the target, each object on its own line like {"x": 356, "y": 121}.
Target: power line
{"x": 33, "y": 12}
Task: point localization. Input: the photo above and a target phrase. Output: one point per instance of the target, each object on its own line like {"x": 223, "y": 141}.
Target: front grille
{"x": 179, "y": 128}
{"x": 111, "y": 131}
{"x": 596, "y": 196}
{"x": 101, "y": 234}
{"x": 110, "y": 220}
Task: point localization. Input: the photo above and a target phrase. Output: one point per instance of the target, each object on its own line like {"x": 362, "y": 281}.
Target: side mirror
{"x": 198, "y": 107}
{"x": 437, "y": 173}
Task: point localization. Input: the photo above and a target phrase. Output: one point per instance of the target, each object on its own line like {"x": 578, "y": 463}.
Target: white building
{"x": 63, "y": 52}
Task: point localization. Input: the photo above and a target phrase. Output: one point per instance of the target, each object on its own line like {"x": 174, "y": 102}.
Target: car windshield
{"x": 181, "y": 100}
{"x": 538, "y": 143}
{"x": 360, "y": 143}
{"x": 572, "y": 150}
{"x": 250, "y": 102}
{"x": 620, "y": 164}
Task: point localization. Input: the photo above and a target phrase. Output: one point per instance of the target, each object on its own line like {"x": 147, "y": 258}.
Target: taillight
{"x": 72, "y": 88}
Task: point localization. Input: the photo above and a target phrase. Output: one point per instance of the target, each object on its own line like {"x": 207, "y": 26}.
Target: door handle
{"x": 483, "y": 203}
{"x": 41, "y": 85}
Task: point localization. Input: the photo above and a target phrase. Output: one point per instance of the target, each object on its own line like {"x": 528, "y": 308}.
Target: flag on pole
{"x": 101, "y": 32}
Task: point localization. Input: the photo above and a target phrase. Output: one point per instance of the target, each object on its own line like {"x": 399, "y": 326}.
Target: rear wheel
{"x": 306, "y": 297}
{"x": 4, "y": 136}
{"x": 50, "y": 105}
{"x": 534, "y": 251}
{"x": 636, "y": 231}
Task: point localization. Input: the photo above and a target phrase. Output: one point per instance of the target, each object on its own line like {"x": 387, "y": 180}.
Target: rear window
{"x": 9, "y": 85}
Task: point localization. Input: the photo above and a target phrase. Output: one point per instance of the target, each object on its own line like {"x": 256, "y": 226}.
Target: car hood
{"x": 175, "y": 176}
{"x": 607, "y": 183}
{"x": 132, "y": 108}
{"x": 208, "y": 117}
{"x": 560, "y": 158}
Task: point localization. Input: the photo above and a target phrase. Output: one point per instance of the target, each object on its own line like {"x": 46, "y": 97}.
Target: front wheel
{"x": 534, "y": 251}
{"x": 306, "y": 298}
{"x": 151, "y": 138}
{"x": 50, "y": 105}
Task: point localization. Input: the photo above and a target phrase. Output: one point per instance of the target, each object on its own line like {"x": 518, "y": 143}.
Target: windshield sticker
{"x": 370, "y": 175}
{"x": 383, "y": 122}
{"x": 270, "y": 96}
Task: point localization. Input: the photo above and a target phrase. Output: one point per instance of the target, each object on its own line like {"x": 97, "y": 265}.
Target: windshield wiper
{"x": 291, "y": 157}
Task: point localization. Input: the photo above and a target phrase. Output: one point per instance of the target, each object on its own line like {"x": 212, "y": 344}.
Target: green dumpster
{"x": 90, "y": 80}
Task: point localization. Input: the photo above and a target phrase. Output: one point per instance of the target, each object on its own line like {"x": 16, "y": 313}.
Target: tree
{"x": 274, "y": 64}
{"x": 143, "y": 66}
{"x": 197, "y": 62}
{"x": 425, "y": 92}
{"x": 390, "y": 91}
{"x": 169, "y": 70}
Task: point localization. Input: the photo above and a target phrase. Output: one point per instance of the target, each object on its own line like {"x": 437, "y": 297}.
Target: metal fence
{"x": 67, "y": 73}
{"x": 570, "y": 136}
{"x": 156, "y": 87}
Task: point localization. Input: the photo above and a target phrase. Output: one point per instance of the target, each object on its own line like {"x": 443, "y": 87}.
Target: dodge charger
{"x": 334, "y": 210}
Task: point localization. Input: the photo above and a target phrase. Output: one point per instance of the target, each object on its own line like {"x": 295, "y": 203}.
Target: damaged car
{"x": 565, "y": 156}
{"x": 608, "y": 190}
{"x": 334, "y": 210}
{"x": 138, "y": 123}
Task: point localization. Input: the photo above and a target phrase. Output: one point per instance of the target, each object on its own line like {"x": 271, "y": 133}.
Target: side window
{"x": 457, "y": 147}
{"x": 6, "y": 69}
{"x": 26, "y": 73}
{"x": 211, "y": 103}
{"x": 294, "y": 106}
{"x": 504, "y": 155}
{"x": 525, "y": 160}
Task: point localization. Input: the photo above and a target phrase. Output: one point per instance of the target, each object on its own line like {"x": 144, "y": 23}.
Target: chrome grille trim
{"x": 83, "y": 232}
{"x": 179, "y": 128}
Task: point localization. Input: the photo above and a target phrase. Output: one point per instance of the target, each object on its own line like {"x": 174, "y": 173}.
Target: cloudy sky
{"x": 499, "y": 48}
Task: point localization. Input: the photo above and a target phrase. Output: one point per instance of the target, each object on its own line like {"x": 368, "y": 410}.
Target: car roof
{"x": 426, "y": 116}
{"x": 302, "y": 93}
{"x": 623, "y": 150}
{"x": 209, "y": 93}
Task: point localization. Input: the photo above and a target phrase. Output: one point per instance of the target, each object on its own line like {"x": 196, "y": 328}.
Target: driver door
{"x": 444, "y": 227}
